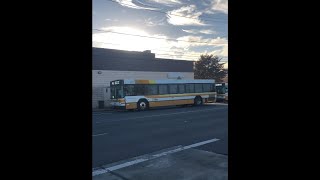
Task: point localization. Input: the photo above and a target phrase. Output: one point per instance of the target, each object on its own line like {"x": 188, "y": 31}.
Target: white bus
{"x": 222, "y": 92}
{"x": 144, "y": 94}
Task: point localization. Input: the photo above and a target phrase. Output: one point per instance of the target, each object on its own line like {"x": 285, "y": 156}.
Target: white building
{"x": 110, "y": 64}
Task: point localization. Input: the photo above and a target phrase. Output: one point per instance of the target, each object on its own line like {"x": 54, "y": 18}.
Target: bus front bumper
{"x": 117, "y": 105}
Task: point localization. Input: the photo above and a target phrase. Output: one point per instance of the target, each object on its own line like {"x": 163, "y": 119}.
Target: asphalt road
{"x": 123, "y": 134}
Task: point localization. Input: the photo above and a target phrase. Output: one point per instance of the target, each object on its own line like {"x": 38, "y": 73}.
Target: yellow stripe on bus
{"x": 170, "y": 103}
{"x": 131, "y": 106}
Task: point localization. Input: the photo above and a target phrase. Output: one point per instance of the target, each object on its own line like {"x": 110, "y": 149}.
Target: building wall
{"x": 119, "y": 60}
{"x": 101, "y": 81}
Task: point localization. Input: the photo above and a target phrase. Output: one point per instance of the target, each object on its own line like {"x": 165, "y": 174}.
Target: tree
{"x": 210, "y": 67}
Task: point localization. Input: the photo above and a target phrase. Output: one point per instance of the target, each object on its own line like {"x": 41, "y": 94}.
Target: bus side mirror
{"x": 106, "y": 89}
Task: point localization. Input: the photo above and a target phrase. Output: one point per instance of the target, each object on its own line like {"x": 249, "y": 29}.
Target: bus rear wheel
{"x": 142, "y": 105}
{"x": 198, "y": 101}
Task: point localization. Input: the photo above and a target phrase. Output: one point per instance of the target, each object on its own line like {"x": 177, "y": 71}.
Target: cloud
{"x": 199, "y": 41}
{"x": 222, "y": 52}
{"x": 186, "y": 15}
{"x": 226, "y": 65}
{"x": 182, "y": 49}
{"x": 128, "y": 42}
{"x": 115, "y": 20}
{"x": 166, "y": 2}
{"x": 199, "y": 31}
{"x": 218, "y": 5}
{"x": 163, "y": 48}
{"x": 134, "y": 5}
{"x": 153, "y": 22}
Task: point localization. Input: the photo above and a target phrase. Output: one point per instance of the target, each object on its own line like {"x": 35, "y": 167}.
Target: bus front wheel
{"x": 143, "y": 105}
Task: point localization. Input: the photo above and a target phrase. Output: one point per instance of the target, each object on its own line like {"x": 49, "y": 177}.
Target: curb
{"x": 102, "y": 110}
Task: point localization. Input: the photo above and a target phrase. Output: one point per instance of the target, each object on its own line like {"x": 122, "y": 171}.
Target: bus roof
{"x": 221, "y": 84}
{"x": 167, "y": 81}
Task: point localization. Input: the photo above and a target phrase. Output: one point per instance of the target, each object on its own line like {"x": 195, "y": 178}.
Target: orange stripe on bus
{"x": 142, "y": 81}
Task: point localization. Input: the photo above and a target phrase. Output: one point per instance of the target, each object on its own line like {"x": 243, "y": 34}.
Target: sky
{"x": 173, "y": 29}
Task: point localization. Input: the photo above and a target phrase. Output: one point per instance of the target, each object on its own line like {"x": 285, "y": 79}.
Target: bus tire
{"x": 143, "y": 105}
{"x": 198, "y": 101}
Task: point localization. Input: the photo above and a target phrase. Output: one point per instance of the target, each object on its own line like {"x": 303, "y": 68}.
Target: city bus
{"x": 144, "y": 94}
{"x": 222, "y": 92}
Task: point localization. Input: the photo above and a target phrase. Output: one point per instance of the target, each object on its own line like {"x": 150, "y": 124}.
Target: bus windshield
{"x": 221, "y": 89}
{"x": 117, "y": 92}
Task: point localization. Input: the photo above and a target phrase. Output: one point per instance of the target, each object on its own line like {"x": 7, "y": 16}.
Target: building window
{"x": 173, "y": 88}
{"x": 163, "y": 89}
{"x": 181, "y": 88}
{"x": 190, "y": 88}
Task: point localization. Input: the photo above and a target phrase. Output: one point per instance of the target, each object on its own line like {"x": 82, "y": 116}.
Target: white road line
{"x": 200, "y": 143}
{"x": 142, "y": 159}
{"x": 99, "y": 134}
{"x": 162, "y": 115}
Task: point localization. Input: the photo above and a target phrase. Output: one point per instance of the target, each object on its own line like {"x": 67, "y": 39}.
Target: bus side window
{"x": 173, "y": 88}
{"x": 189, "y": 88}
{"x": 206, "y": 88}
{"x": 129, "y": 90}
{"x": 163, "y": 89}
{"x": 198, "y": 88}
{"x": 182, "y": 88}
{"x": 213, "y": 88}
{"x": 151, "y": 89}
{"x": 140, "y": 89}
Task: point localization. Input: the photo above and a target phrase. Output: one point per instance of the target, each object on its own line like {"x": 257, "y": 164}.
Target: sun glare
{"x": 126, "y": 42}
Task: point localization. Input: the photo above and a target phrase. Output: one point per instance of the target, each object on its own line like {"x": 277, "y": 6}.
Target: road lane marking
{"x": 99, "y": 134}
{"x": 162, "y": 115}
{"x": 148, "y": 157}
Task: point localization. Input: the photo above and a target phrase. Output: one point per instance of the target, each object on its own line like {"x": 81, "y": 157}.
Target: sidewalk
{"x": 191, "y": 164}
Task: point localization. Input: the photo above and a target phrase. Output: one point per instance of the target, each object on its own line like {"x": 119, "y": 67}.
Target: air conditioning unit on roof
{"x": 175, "y": 75}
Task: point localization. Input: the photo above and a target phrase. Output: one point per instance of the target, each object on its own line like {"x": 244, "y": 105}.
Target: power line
{"x": 147, "y": 49}
{"x": 128, "y": 5}
{"x": 159, "y": 37}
